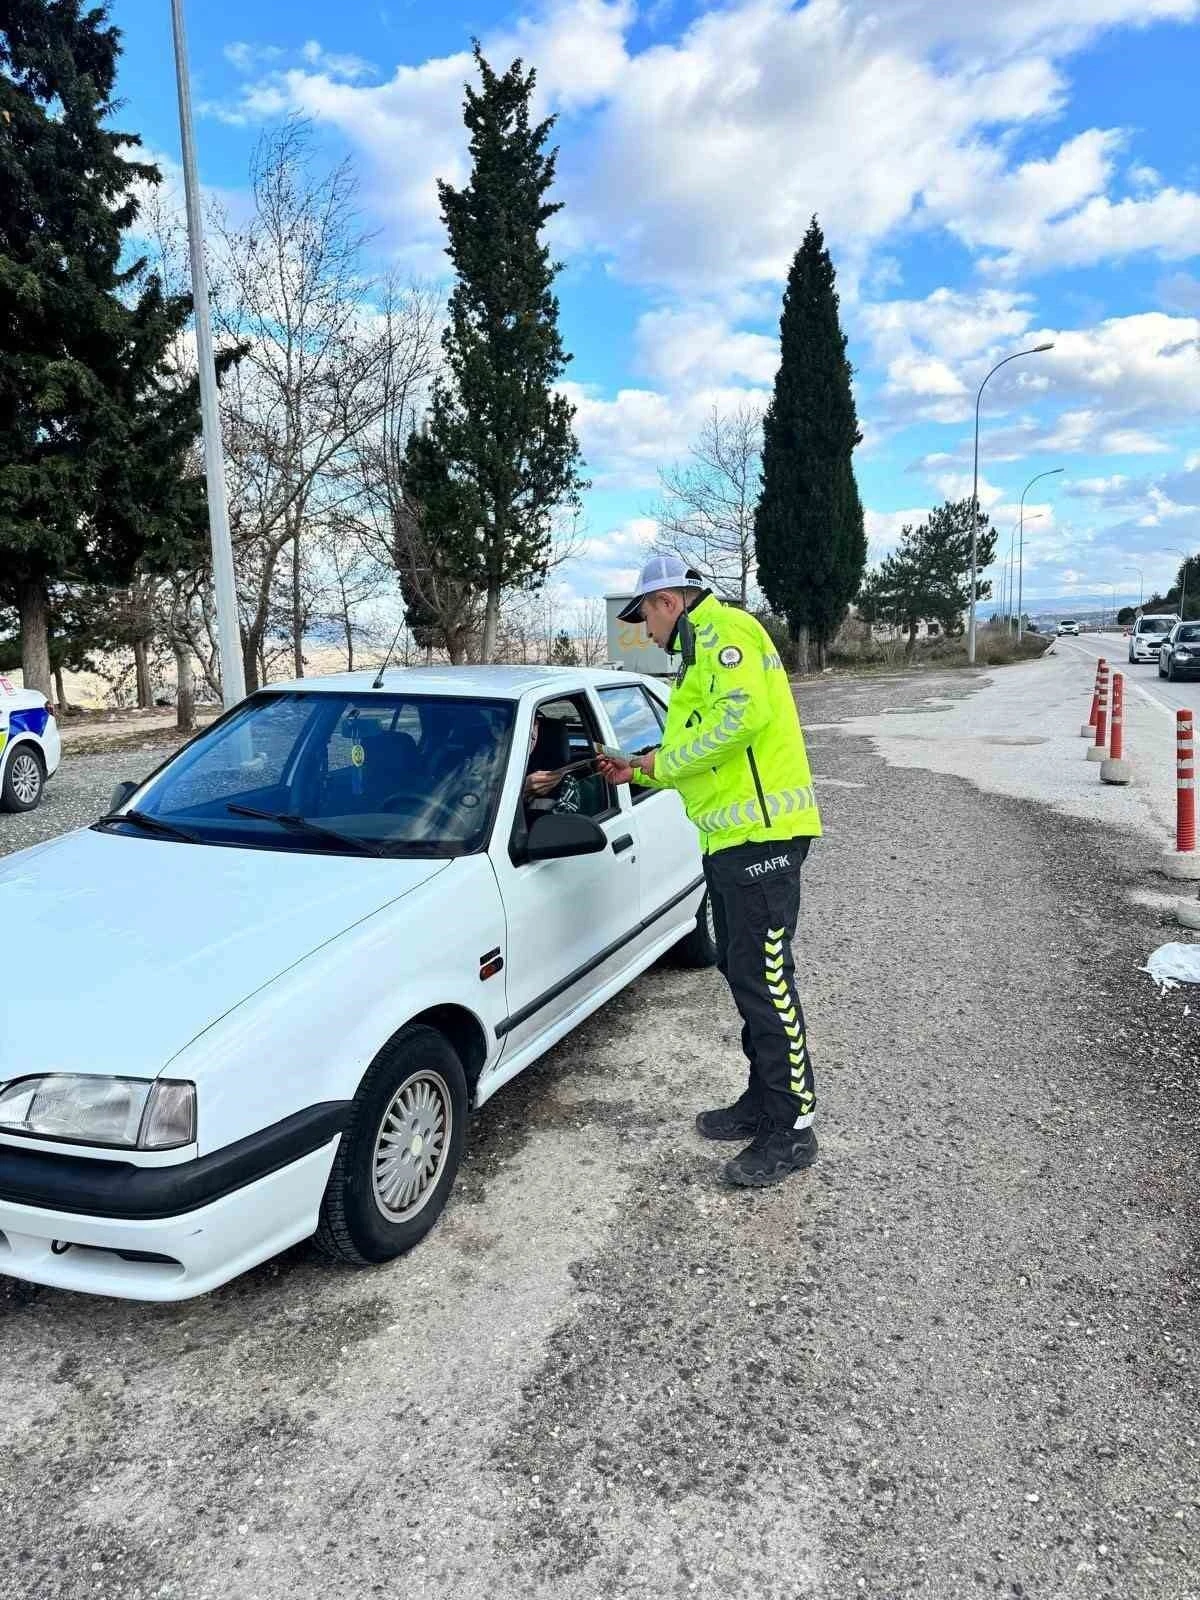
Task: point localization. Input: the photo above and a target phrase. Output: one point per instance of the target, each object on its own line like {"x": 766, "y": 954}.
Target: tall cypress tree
{"x": 497, "y": 423}
{"x": 808, "y": 527}
{"x": 94, "y": 426}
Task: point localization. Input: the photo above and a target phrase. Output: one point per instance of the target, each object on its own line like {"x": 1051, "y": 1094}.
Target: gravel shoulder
{"x": 959, "y": 1356}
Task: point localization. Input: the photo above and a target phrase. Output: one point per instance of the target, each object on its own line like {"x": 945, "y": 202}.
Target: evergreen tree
{"x": 923, "y": 579}
{"x": 94, "y": 427}
{"x": 564, "y": 653}
{"x": 808, "y": 528}
{"x": 497, "y": 422}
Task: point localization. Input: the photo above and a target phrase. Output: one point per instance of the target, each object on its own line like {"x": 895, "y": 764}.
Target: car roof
{"x": 492, "y": 683}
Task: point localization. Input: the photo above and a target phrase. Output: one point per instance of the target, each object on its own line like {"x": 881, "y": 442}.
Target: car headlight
{"x": 125, "y": 1113}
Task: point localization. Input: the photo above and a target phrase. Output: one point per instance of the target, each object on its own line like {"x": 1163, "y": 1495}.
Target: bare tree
{"x": 591, "y": 631}
{"x": 290, "y": 293}
{"x": 706, "y": 514}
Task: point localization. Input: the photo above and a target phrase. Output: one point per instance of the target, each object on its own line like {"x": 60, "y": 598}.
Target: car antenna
{"x": 378, "y": 684}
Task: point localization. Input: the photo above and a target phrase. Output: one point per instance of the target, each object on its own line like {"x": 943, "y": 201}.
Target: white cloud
{"x": 696, "y": 344}
{"x": 710, "y": 151}
{"x": 884, "y": 529}
{"x": 577, "y": 46}
{"x": 626, "y": 439}
{"x": 246, "y": 58}
{"x": 335, "y": 64}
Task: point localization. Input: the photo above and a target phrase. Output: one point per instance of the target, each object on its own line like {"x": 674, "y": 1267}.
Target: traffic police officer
{"x": 733, "y": 749}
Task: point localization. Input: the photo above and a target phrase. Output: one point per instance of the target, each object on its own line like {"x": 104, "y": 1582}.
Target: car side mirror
{"x": 120, "y": 794}
{"x": 556, "y": 834}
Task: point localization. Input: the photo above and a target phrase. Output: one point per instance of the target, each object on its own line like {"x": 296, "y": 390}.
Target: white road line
{"x": 1147, "y": 694}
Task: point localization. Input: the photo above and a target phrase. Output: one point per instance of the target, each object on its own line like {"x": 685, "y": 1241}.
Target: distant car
{"x": 1068, "y": 625}
{"x": 1149, "y": 635}
{"x": 30, "y": 748}
{"x": 297, "y": 957}
{"x": 1179, "y": 657}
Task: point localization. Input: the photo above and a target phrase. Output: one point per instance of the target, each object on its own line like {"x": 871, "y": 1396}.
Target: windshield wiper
{"x": 298, "y": 824}
{"x": 143, "y": 819}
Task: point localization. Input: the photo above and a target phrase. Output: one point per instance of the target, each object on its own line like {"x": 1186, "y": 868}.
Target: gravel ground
{"x": 78, "y": 792}
{"x": 957, "y": 1357}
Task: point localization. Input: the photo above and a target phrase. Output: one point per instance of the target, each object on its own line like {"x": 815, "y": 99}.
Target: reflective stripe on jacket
{"x": 732, "y": 745}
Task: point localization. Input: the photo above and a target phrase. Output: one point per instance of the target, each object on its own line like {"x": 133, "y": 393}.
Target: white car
{"x": 1068, "y": 625}
{"x": 30, "y": 748}
{"x": 300, "y": 953}
{"x": 1149, "y": 635}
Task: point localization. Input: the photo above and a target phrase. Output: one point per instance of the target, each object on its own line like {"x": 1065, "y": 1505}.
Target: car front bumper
{"x": 164, "y": 1233}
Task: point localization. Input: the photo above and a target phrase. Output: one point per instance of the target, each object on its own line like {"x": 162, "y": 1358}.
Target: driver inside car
{"x": 547, "y": 787}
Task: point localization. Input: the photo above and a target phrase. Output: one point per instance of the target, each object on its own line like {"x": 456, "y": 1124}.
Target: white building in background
{"x": 630, "y": 646}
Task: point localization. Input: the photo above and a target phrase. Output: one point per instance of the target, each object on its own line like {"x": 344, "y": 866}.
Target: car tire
{"x": 699, "y": 947}
{"x": 1171, "y": 670}
{"x": 24, "y": 779}
{"x": 384, "y": 1195}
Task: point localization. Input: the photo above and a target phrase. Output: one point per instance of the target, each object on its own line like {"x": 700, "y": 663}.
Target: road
{"x": 958, "y": 1357}
{"x": 1140, "y": 676}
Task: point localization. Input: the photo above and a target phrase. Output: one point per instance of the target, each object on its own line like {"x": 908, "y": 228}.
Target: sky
{"x": 988, "y": 178}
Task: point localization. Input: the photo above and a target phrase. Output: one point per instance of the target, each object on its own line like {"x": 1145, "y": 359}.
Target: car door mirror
{"x": 120, "y": 794}
{"x": 556, "y": 834}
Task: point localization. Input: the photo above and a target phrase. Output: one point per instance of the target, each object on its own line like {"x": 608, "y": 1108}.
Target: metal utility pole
{"x": 1036, "y": 350}
{"x": 229, "y": 642}
{"x": 1021, "y": 561}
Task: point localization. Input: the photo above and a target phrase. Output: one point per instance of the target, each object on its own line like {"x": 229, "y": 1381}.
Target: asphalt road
{"x": 957, "y": 1357}
{"x": 1141, "y": 676}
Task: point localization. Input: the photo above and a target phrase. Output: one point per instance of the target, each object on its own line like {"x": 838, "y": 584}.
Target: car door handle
{"x": 625, "y": 842}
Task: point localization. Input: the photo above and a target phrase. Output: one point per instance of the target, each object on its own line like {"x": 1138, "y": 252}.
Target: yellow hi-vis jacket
{"x": 732, "y": 744}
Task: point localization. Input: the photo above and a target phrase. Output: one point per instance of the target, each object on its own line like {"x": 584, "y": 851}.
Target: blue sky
{"x": 988, "y": 178}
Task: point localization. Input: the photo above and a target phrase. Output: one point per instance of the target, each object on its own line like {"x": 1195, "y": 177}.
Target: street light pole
{"x": 1021, "y": 561}
{"x": 1141, "y": 585}
{"x": 1036, "y": 350}
{"x": 229, "y": 644}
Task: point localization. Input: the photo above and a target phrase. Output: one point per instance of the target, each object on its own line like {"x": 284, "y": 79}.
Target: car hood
{"x": 118, "y": 951}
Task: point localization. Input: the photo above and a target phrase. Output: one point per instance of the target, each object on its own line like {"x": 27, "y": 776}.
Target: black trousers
{"x": 755, "y": 892}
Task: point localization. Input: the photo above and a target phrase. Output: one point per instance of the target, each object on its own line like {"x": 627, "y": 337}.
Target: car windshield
{"x": 1155, "y": 625}
{"x": 368, "y": 773}
{"x": 1189, "y": 633}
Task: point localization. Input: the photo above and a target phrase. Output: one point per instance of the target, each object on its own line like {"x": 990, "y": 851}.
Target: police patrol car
{"x": 29, "y": 746}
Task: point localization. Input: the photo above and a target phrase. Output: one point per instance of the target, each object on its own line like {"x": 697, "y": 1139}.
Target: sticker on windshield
{"x": 357, "y": 755}
{"x": 731, "y": 656}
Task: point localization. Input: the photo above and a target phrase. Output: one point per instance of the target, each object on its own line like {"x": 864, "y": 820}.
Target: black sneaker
{"x": 738, "y": 1121}
{"x": 773, "y": 1156}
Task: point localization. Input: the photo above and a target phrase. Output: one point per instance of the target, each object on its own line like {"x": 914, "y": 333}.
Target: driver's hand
{"x": 541, "y": 783}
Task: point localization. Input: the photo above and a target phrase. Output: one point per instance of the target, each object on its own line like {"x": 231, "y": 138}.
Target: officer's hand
{"x": 615, "y": 771}
{"x": 645, "y": 763}
{"x": 541, "y": 783}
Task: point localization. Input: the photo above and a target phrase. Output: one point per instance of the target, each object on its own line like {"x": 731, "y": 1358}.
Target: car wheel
{"x": 699, "y": 947}
{"x": 24, "y": 779}
{"x": 399, "y": 1155}
{"x": 1171, "y": 670}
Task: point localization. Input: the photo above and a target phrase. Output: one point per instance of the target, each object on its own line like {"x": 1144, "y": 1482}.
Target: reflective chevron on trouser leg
{"x": 757, "y": 888}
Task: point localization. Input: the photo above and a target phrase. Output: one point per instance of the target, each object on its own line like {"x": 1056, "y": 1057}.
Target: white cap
{"x": 660, "y": 572}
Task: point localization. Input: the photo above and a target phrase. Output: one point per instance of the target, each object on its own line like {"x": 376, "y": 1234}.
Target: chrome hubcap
{"x": 412, "y": 1146}
{"x": 25, "y": 778}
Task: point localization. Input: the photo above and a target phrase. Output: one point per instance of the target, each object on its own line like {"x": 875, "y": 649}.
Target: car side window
{"x": 566, "y": 736}
{"x": 637, "y": 719}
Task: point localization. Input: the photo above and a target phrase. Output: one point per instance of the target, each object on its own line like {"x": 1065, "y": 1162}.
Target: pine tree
{"x": 808, "y": 528}
{"x": 923, "y": 579}
{"x": 94, "y": 426}
{"x": 497, "y": 421}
